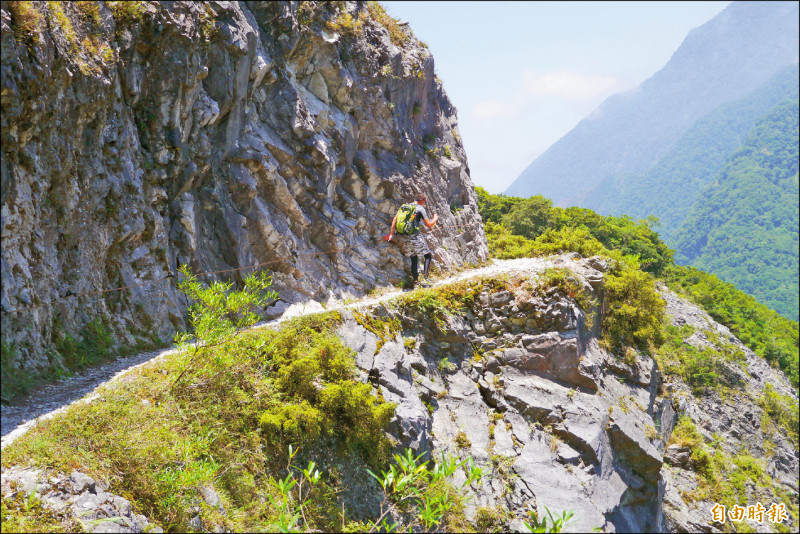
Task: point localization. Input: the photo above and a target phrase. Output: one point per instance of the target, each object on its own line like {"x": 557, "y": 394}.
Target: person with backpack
{"x": 413, "y": 244}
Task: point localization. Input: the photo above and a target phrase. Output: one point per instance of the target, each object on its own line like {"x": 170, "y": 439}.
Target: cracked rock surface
{"x": 220, "y": 135}
{"x": 553, "y": 419}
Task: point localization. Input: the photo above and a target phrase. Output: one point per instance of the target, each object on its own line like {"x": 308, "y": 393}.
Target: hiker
{"x": 412, "y": 242}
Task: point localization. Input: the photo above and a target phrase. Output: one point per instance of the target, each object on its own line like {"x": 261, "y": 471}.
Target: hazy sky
{"x": 523, "y": 74}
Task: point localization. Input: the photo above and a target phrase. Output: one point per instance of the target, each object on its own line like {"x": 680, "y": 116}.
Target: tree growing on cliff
{"x": 218, "y": 313}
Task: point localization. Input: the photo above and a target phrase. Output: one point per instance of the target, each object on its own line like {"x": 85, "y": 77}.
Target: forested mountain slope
{"x": 744, "y": 226}
{"x": 723, "y": 60}
{"x": 672, "y": 186}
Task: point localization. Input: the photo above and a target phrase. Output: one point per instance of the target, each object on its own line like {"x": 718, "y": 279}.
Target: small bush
{"x": 346, "y": 24}
{"x": 685, "y": 434}
{"x": 782, "y": 410}
{"x": 491, "y": 519}
{"x": 462, "y": 441}
{"x": 633, "y": 311}
{"x": 127, "y": 12}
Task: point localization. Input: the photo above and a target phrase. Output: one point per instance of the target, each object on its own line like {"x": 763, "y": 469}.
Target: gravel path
{"x": 53, "y": 398}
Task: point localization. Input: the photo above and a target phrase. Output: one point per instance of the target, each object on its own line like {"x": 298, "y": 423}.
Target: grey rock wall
{"x": 555, "y": 420}
{"x": 220, "y": 135}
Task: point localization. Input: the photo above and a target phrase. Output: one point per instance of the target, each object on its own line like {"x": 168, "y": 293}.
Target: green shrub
{"x": 423, "y": 498}
{"x": 685, "y": 433}
{"x": 782, "y": 410}
{"x": 633, "y": 311}
{"x": 314, "y": 375}
{"x": 346, "y": 24}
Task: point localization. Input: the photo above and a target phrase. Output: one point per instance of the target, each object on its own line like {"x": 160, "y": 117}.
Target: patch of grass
{"x": 782, "y": 411}
{"x": 386, "y": 327}
{"x": 700, "y": 368}
{"x": 462, "y": 441}
{"x": 127, "y": 12}
{"x": 347, "y": 24}
{"x": 95, "y": 344}
{"x": 446, "y": 366}
{"x": 396, "y": 33}
{"x": 225, "y": 427}
{"x": 63, "y": 22}
{"x": 27, "y": 22}
{"x": 25, "y": 513}
{"x": 90, "y": 10}
{"x": 685, "y": 434}
{"x": 567, "y": 284}
{"x": 492, "y": 519}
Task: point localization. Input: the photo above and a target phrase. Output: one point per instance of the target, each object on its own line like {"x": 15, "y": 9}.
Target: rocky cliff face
{"x": 520, "y": 383}
{"x": 141, "y": 136}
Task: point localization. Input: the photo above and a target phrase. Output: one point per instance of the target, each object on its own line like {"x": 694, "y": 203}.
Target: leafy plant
{"x": 292, "y": 501}
{"x": 556, "y": 523}
{"x": 217, "y": 313}
{"x": 412, "y": 489}
{"x": 445, "y": 365}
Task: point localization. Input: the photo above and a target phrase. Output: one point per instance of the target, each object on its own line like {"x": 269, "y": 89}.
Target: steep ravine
{"x": 529, "y": 393}
{"x": 221, "y": 135}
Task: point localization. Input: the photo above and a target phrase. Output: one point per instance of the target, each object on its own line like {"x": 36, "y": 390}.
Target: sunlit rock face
{"x": 220, "y": 135}
{"x": 520, "y": 382}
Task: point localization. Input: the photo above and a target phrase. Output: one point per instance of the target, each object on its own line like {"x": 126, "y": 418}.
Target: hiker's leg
{"x": 428, "y": 257}
{"x": 414, "y": 271}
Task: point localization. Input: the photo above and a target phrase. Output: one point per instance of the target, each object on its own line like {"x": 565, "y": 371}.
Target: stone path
{"x": 53, "y": 398}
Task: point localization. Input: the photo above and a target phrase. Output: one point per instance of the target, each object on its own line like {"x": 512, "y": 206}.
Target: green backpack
{"x": 405, "y": 219}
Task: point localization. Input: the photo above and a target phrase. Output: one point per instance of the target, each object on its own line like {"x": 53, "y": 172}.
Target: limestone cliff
{"x": 139, "y": 136}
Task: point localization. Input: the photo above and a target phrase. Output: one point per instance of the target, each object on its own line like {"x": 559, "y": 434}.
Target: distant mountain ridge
{"x": 723, "y": 60}
{"x": 673, "y": 185}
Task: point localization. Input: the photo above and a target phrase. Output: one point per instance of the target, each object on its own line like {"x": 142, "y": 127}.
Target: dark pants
{"x": 414, "y": 269}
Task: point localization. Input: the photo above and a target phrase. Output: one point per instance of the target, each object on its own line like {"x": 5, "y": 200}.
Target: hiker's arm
{"x": 394, "y": 227}
{"x": 430, "y": 222}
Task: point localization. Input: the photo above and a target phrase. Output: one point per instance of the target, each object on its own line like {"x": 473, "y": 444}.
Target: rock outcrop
{"x": 221, "y": 135}
{"x": 520, "y": 383}
{"x": 78, "y": 498}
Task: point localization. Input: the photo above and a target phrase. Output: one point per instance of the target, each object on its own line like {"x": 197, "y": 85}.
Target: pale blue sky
{"x": 523, "y": 74}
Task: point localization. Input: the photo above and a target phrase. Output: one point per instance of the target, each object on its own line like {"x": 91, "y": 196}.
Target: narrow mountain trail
{"x": 50, "y": 399}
